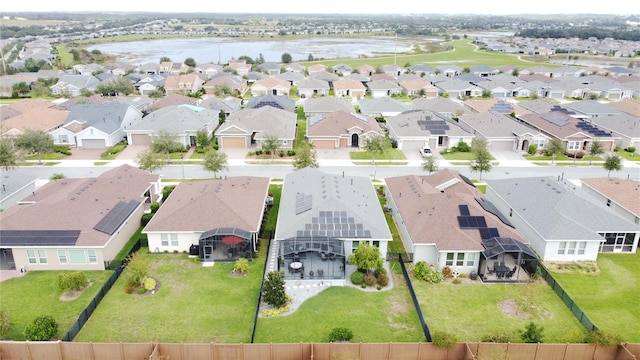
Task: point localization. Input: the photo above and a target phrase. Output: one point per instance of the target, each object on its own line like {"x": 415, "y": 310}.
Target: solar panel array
{"x": 472, "y": 222}
{"x": 334, "y": 224}
{"x": 502, "y": 107}
{"x": 592, "y": 129}
{"x": 489, "y": 207}
{"x": 38, "y": 237}
{"x": 464, "y": 210}
{"x": 436, "y": 127}
{"x": 303, "y": 203}
{"x": 116, "y": 217}
{"x": 555, "y": 118}
{"x": 488, "y": 233}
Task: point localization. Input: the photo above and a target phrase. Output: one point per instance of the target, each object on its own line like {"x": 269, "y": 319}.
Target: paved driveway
{"x": 131, "y": 152}
{"x": 85, "y": 154}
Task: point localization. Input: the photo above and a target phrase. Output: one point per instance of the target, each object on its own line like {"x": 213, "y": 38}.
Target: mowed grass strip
{"x": 474, "y": 310}
{"x": 194, "y": 304}
{"x": 610, "y": 298}
{"x": 37, "y": 293}
{"x": 372, "y": 316}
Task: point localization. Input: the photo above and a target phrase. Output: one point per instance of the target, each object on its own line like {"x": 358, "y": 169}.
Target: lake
{"x": 221, "y": 50}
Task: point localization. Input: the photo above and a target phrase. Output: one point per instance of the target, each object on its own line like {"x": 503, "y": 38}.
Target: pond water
{"x": 221, "y": 50}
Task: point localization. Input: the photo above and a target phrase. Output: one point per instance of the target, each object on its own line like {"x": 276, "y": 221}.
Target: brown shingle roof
{"x": 338, "y": 122}
{"x": 624, "y": 192}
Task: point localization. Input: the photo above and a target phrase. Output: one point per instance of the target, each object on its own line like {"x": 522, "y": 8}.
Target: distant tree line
{"x": 581, "y": 33}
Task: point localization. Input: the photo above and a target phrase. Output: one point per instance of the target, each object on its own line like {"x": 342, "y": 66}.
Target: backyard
{"x": 610, "y": 296}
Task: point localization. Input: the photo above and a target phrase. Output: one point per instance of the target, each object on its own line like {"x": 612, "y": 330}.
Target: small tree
{"x": 71, "y": 281}
{"x": 166, "y": 142}
{"x": 444, "y": 340}
{"x": 482, "y": 161}
{"x": 612, "y": 162}
{"x": 150, "y": 161}
{"x": 202, "y": 138}
{"x": 271, "y": 144}
{"x": 5, "y": 323}
{"x": 553, "y": 148}
{"x": 35, "y": 142}
{"x": 340, "y": 334}
{"x": 215, "y": 161}
{"x": 286, "y": 58}
{"x": 241, "y": 266}
{"x": 375, "y": 145}
{"x": 305, "y": 157}
{"x": 9, "y": 154}
{"x": 137, "y": 269}
{"x": 190, "y": 62}
{"x": 631, "y": 150}
{"x": 366, "y": 257}
{"x": 532, "y": 333}
{"x": 595, "y": 149}
{"x": 273, "y": 291}
{"x": 430, "y": 165}
{"x": 43, "y": 328}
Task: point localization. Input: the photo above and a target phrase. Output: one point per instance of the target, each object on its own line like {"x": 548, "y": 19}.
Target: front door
{"x": 208, "y": 252}
{"x": 355, "y": 140}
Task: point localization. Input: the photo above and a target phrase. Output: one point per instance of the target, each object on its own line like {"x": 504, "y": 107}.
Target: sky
{"x": 496, "y": 7}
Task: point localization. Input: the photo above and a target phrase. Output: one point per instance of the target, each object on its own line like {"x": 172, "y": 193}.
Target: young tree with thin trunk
{"x": 305, "y": 157}
{"x": 214, "y": 161}
{"x": 430, "y": 165}
{"x": 482, "y": 161}
{"x": 166, "y": 142}
{"x": 271, "y": 144}
{"x": 9, "y": 155}
{"x": 554, "y": 147}
{"x": 612, "y": 162}
{"x": 150, "y": 161}
{"x": 35, "y": 142}
{"x": 595, "y": 149}
{"x": 375, "y": 145}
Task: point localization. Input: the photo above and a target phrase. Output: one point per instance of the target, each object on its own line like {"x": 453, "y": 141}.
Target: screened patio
{"x": 224, "y": 244}
{"x": 506, "y": 260}
{"x": 311, "y": 257}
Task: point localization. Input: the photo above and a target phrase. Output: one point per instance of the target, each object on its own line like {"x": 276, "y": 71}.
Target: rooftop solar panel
{"x": 38, "y": 237}
{"x": 464, "y": 210}
{"x": 112, "y": 221}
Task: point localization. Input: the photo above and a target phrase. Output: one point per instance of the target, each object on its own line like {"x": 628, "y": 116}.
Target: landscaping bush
{"x": 241, "y": 265}
{"x": 380, "y": 271}
{"x": 428, "y": 273}
{"x": 444, "y": 340}
{"x": 463, "y": 147}
{"x": 149, "y": 283}
{"x": 141, "y": 290}
{"x": 600, "y": 337}
{"x": 68, "y": 281}
{"x": 631, "y": 149}
{"x": 5, "y": 323}
{"x": 532, "y": 333}
{"x": 447, "y": 273}
{"x": 62, "y": 149}
{"x": 281, "y": 153}
{"x": 383, "y": 279}
{"x": 496, "y": 338}
{"x": 258, "y": 152}
{"x": 166, "y": 191}
{"x": 340, "y": 334}
{"x": 154, "y": 207}
{"x": 200, "y": 150}
{"x": 370, "y": 280}
{"x": 137, "y": 269}
{"x": 291, "y": 153}
{"x": 533, "y": 148}
{"x": 273, "y": 291}
{"x": 357, "y": 278}
{"x": 43, "y": 328}
{"x": 113, "y": 150}
{"x": 129, "y": 289}
{"x": 145, "y": 219}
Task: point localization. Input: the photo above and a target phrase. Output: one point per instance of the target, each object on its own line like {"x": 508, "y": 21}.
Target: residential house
{"x": 576, "y": 135}
{"x": 30, "y": 114}
{"x": 149, "y": 68}
{"x": 562, "y": 224}
{"x": 392, "y": 70}
{"x": 270, "y": 68}
{"x": 254, "y": 76}
{"x": 325, "y": 76}
{"x": 629, "y": 106}
{"x": 234, "y": 83}
{"x": 150, "y": 84}
{"x": 270, "y": 86}
{"x": 445, "y": 221}
{"x": 88, "y": 69}
{"x": 294, "y": 68}
{"x": 349, "y": 88}
{"x": 422, "y": 70}
{"x": 187, "y": 221}
{"x": 383, "y": 88}
{"x": 278, "y": 102}
{"x": 184, "y": 84}
{"x": 537, "y": 70}
{"x": 82, "y": 223}
{"x": 341, "y": 129}
{"x": 342, "y": 69}
{"x": 322, "y": 220}
{"x": 415, "y": 128}
{"x": 621, "y": 195}
{"x": 96, "y": 126}
{"x": 502, "y": 132}
{"x": 309, "y": 88}
{"x": 449, "y": 70}
{"x": 381, "y": 107}
{"x": 366, "y": 70}
{"x": 418, "y": 88}
{"x": 626, "y": 128}
{"x": 316, "y": 68}
{"x": 458, "y": 89}
{"x": 483, "y": 70}
{"x": 72, "y": 85}
{"x": 173, "y": 99}
{"x": 498, "y": 105}
{"x": 248, "y": 128}
{"x": 327, "y": 104}
{"x": 8, "y": 81}
{"x": 208, "y": 69}
{"x": 239, "y": 67}
{"x": 589, "y": 109}
{"x": 226, "y": 105}
{"x": 442, "y": 106}
{"x": 183, "y": 121}
{"x": 292, "y": 78}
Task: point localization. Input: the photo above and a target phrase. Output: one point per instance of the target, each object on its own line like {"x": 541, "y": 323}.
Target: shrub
{"x": 137, "y": 269}
{"x": 370, "y": 280}
{"x": 379, "y": 287}
{"x": 357, "y": 278}
{"x": 241, "y": 265}
{"x": 281, "y": 153}
{"x": 340, "y": 334}
{"x": 5, "y": 323}
{"x": 62, "y": 149}
{"x": 444, "y": 340}
{"x": 446, "y": 272}
{"x": 496, "y": 338}
{"x": 57, "y": 176}
{"x": 383, "y": 279}
{"x": 456, "y": 281}
{"x": 380, "y": 270}
{"x": 154, "y": 207}
{"x": 273, "y": 291}
{"x": 141, "y": 290}
{"x": 463, "y": 147}
{"x": 166, "y": 191}
{"x": 200, "y": 150}
{"x": 258, "y": 152}
{"x": 428, "y": 273}
{"x": 631, "y": 149}
{"x": 68, "y": 281}
{"x": 275, "y": 311}
{"x": 129, "y": 289}
{"x": 291, "y": 153}
{"x": 600, "y": 337}
{"x": 145, "y": 219}
{"x": 43, "y": 328}
{"x": 532, "y": 333}
{"x": 149, "y": 283}
{"x": 533, "y": 148}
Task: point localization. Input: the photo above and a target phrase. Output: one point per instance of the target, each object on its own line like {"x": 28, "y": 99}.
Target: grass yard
{"x": 473, "y": 310}
{"x": 37, "y": 293}
{"x": 378, "y": 316}
{"x": 389, "y": 154}
{"x": 460, "y": 156}
{"x": 610, "y": 298}
{"x": 629, "y": 156}
{"x": 194, "y": 304}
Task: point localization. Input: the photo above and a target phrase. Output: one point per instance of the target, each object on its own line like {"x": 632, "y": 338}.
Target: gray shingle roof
{"x": 105, "y": 117}
{"x": 177, "y": 119}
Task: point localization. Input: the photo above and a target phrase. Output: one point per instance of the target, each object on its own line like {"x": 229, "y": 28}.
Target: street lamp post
{"x": 182, "y": 163}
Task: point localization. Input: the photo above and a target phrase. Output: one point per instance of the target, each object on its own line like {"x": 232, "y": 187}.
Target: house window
{"x": 93, "y": 259}
{"x": 64, "y": 138}
{"x": 164, "y": 238}
{"x": 449, "y": 261}
{"x": 540, "y": 143}
{"x": 471, "y": 259}
{"x": 31, "y": 257}
{"x": 42, "y": 256}
{"x": 562, "y": 247}
{"x": 460, "y": 260}
{"x": 376, "y": 244}
{"x": 62, "y": 257}
{"x": 572, "y": 248}
{"x": 582, "y": 246}
{"x": 573, "y": 145}
{"x": 174, "y": 239}
{"x": 77, "y": 257}
{"x": 284, "y": 142}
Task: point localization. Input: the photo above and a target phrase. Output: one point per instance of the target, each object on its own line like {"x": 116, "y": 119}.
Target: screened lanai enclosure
{"x": 506, "y": 260}
{"x": 311, "y": 257}
{"x": 224, "y": 244}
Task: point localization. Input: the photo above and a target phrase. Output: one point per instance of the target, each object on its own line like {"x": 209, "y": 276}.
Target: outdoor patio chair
{"x": 490, "y": 271}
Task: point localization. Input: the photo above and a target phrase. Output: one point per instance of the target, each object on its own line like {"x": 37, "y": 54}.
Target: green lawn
{"x": 460, "y": 156}
{"x": 378, "y": 316}
{"x": 195, "y": 304}
{"x": 37, "y": 293}
{"x": 629, "y": 156}
{"x": 301, "y": 130}
{"x": 610, "y": 299}
{"x": 472, "y": 310}
{"x": 389, "y": 154}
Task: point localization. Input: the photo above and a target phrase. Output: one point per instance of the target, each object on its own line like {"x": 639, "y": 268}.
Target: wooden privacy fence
{"x": 59, "y": 350}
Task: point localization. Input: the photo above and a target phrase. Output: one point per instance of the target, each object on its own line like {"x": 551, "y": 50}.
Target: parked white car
{"x": 425, "y": 151}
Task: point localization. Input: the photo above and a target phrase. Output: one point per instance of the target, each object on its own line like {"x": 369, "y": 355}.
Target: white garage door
{"x": 141, "y": 139}
{"x": 502, "y": 145}
{"x": 411, "y": 145}
{"x": 233, "y": 142}
{"x": 93, "y": 144}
